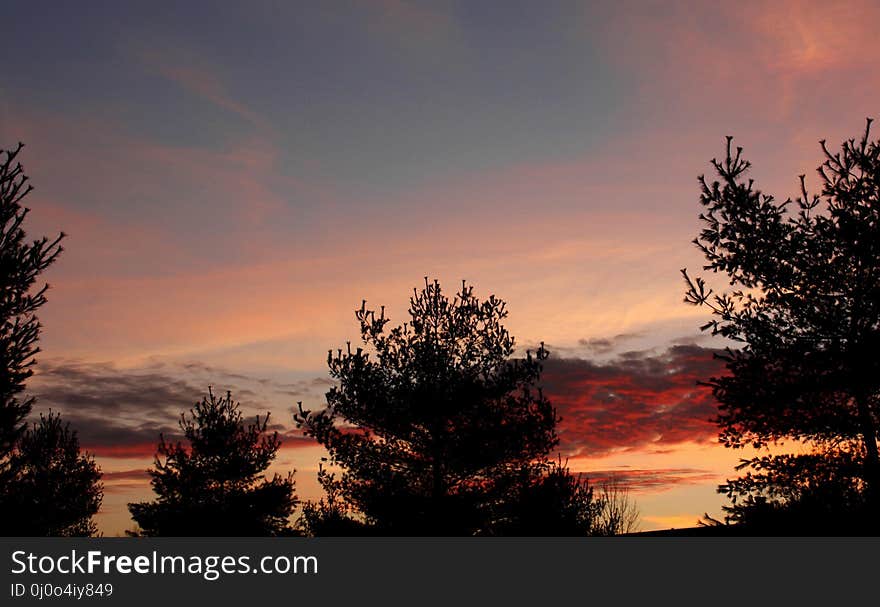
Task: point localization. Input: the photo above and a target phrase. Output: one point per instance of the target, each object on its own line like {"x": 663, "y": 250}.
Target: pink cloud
{"x": 193, "y": 76}
{"x": 762, "y": 63}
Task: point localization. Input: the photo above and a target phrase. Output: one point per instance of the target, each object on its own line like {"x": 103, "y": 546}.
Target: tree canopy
{"x": 54, "y": 489}
{"x": 21, "y": 263}
{"x": 216, "y": 485}
{"x": 803, "y": 309}
{"x": 433, "y": 425}
{"x": 47, "y": 486}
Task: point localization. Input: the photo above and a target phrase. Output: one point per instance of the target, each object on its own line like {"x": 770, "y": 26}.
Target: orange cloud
{"x": 637, "y": 401}
{"x": 122, "y": 451}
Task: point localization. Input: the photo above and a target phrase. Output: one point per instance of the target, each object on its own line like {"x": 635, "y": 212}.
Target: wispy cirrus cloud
{"x": 124, "y": 481}
{"x": 770, "y": 69}
{"x": 650, "y": 480}
{"x": 197, "y": 78}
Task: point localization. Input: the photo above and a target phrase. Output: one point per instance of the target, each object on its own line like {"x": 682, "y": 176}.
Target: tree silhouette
{"x": 546, "y": 499}
{"x": 54, "y": 489}
{"x": 817, "y": 493}
{"x": 804, "y": 307}
{"x": 331, "y": 514}
{"x": 216, "y": 485}
{"x": 21, "y": 263}
{"x": 617, "y": 514}
{"x": 432, "y": 427}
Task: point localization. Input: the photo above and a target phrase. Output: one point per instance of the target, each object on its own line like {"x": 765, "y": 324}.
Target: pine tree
{"x": 47, "y": 487}
{"x": 431, "y": 424}
{"x": 54, "y": 489}
{"x": 21, "y": 263}
{"x": 804, "y": 309}
{"x": 216, "y": 485}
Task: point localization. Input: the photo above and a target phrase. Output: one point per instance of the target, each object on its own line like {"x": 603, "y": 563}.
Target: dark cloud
{"x": 597, "y": 347}
{"x": 606, "y": 345}
{"x": 115, "y": 412}
{"x": 303, "y": 387}
{"x": 317, "y": 386}
{"x": 640, "y": 399}
{"x": 652, "y": 480}
{"x": 121, "y": 412}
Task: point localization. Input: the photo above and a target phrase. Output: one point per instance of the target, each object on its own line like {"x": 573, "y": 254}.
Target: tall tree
{"x": 804, "y": 309}
{"x": 216, "y": 486}
{"x": 431, "y": 419}
{"x": 54, "y": 489}
{"x": 21, "y": 263}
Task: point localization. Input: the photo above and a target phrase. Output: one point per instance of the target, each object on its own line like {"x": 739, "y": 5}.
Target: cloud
{"x": 301, "y": 388}
{"x": 121, "y": 480}
{"x": 136, "y": 474}
{"x": 607, "y": 344}
{"x": 121, "y": 412}
{"x": 124, "y": 481}
{"x": 757, "y": 62}
{"x": 182, "y": 68}
{"x": 115, "y": 412}
{"x": 641, "y": 399}
{"x": 651, "y": 480}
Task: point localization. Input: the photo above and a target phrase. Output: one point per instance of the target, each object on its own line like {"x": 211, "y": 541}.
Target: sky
{"x": 234, "y": 178}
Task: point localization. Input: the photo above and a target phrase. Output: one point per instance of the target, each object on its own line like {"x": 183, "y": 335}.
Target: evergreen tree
{"x": 54, "y": 489}
{"x": 215, "y": 486}
{"x": 804, "y": 308}
{"x": 546, "y": 499}
{"x": 433, "y": 423}
{"x": 47, "y": 487}
{"x": 21, "y": 263}
{"x": 331, "y": 515}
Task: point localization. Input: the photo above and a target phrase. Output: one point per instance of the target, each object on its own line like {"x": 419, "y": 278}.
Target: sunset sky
{"x": 236, "y": 177}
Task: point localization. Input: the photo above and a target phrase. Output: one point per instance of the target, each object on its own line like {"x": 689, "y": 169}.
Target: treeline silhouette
{"x": 435, "y": 427}
{"x": 436, "y": 431}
